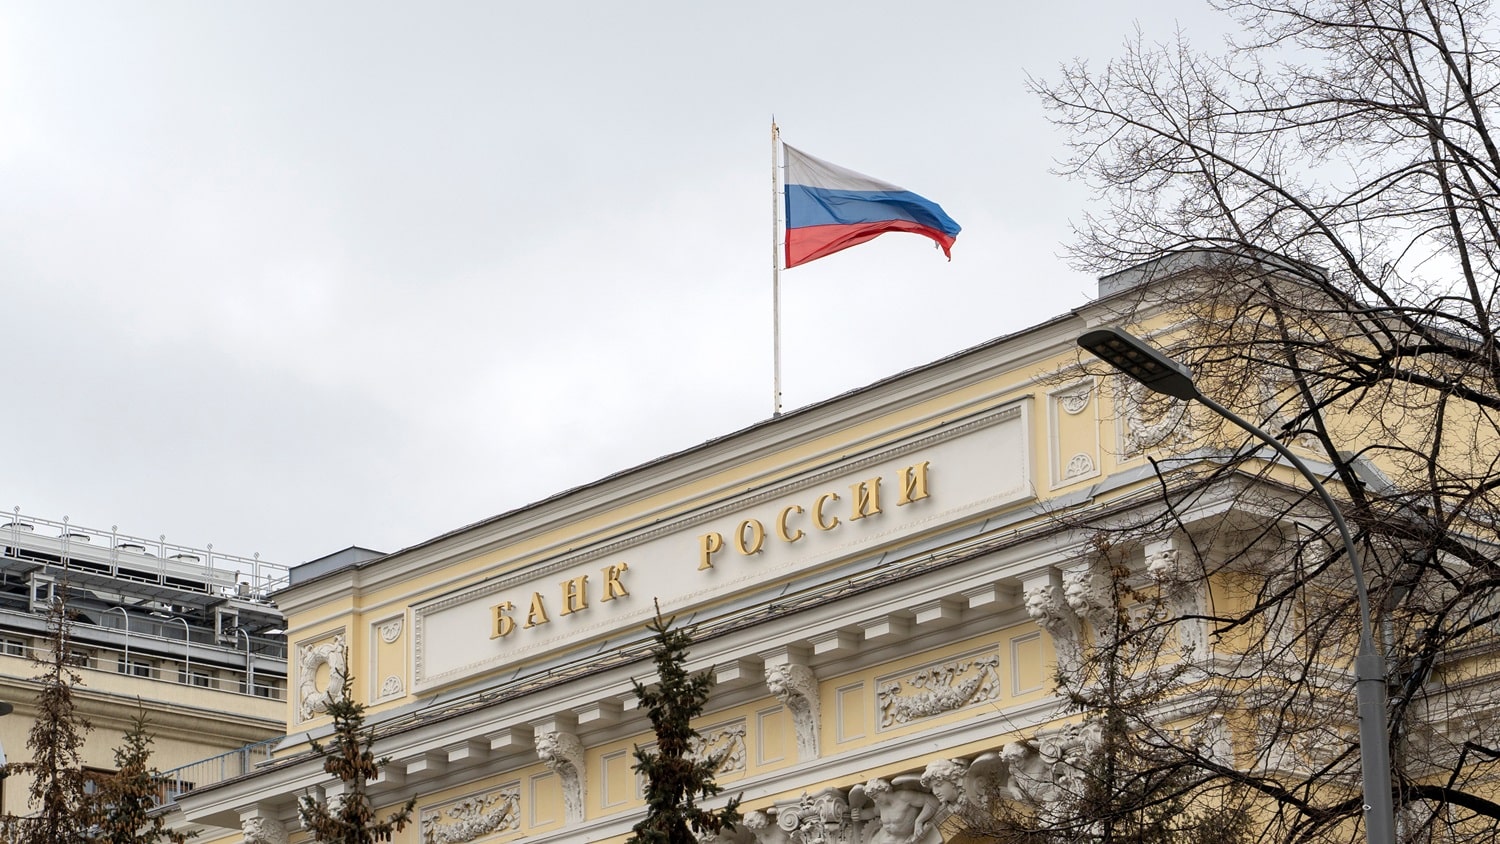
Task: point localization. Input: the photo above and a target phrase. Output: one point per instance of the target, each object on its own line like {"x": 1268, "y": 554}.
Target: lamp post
{"x": 1159, "y": 373}
{"x": 128, "y": 668}
{"x": 249, "y": 662}
{"x": 187, "y": 646}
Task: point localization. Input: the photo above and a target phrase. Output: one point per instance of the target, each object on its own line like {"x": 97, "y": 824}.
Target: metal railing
{"x": 90, "y": 655}
{"x": 215, "y": 769}
{"x": 143, "y": 560}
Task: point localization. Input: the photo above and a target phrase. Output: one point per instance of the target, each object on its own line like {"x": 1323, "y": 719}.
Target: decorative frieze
{"x": 937, "y": 688}
{"x": 467, "y": 818}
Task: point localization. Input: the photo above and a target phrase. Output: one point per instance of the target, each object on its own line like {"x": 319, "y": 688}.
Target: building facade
{"x": 189, "y": 636}
{"x": 887, "y": 587}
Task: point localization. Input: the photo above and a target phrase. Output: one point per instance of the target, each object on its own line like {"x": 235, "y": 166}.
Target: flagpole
{"x": 775, "y": 276}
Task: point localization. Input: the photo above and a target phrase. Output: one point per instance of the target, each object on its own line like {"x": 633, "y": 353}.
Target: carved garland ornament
{"x": 936, "y": 689}
{"x": 332, "y": 653}
{"x": 471, "y": 817}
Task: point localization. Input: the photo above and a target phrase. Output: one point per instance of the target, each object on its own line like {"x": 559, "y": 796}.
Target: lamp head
{"x": 1146, "y": 364}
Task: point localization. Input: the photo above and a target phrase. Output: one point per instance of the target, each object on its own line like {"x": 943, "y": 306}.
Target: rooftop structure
{"x": 189, "y": 633}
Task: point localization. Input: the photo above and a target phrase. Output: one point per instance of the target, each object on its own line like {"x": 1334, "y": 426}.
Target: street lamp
{"x": 128, "y": 668}
{"x": 1159, "y": 373}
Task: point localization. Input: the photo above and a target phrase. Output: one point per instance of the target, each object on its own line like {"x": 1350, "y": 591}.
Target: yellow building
{"x": 883, "y": 584}
{"x": 187, "y": 635}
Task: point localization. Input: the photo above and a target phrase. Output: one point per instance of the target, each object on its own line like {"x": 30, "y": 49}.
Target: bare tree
{"x": 1326, "y": 191}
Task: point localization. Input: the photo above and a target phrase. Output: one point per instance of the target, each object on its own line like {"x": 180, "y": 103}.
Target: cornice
{"x": 788, "y": 433}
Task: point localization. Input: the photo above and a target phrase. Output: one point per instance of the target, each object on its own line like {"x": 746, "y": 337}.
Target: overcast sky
{"x": 287, "y": 277}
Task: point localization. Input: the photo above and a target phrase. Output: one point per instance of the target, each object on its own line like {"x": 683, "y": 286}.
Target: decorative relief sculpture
{"x": 1181, "y": 591}
{"x": 935, "y": 689}
{"x": 824, "y": 819}
{"x": 392, "y": 687}
{"x": 1046, "y": 607}
{"x": 796, "y": 687}
{"x": 904, "y": 815}
{"x": 259, "y": 829}
{"x": 765, "y": 828}
{"x": 1080, "y": 466}
{"x": 1172, "y": 427}
{"x": 738, "y": 835}
{"x": 310, "y": 658}
{"x": 962, "y": 785}
{"x": 1048, "y": 772}
{"x": 726, "y": 743}
{"x": 1090, "y": 595}
{"x": 470, "y": 817}
{"x": 563, "y": 754}
{"x": 1075, "y": 399}
{"x": 390, "y": 631}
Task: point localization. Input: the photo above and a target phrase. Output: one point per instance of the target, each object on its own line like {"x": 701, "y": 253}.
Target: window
{"x": 93, "y": 779}
{"x": 80, "y": 659}
{"x": 12, "y": 647}
{"x": 136, "y": 667}
{"x": 202, "y": 679}
{"x": 267, "y": 688}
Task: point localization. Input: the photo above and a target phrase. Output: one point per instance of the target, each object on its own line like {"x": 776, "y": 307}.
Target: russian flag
{"x": 829, "y": 208}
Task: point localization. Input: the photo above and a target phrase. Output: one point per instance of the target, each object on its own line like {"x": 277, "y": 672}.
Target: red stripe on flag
{"x": 812, "y": 242}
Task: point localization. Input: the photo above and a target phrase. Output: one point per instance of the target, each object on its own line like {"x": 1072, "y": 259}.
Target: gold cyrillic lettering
{"x": 709, "y": 544}
{"x": 757, "y": 537}
{"x": 613, "y": 588}
{"x": 503, "y": 624}
{"x": 866, "y": 499}
{"x": 537, "y": 614}
{"x": 575, "y": 594}
{"x": 913, "y": 483}
{"x": 824, "y": 500}
{"x": 781, "y": 528}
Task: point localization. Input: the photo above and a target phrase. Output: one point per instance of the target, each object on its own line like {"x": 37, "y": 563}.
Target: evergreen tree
{"x": 122, "y": 814}
{"x": 352, "y": 818}
{"x": 675, "y": 778}
{"x": 57, "y": 788}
